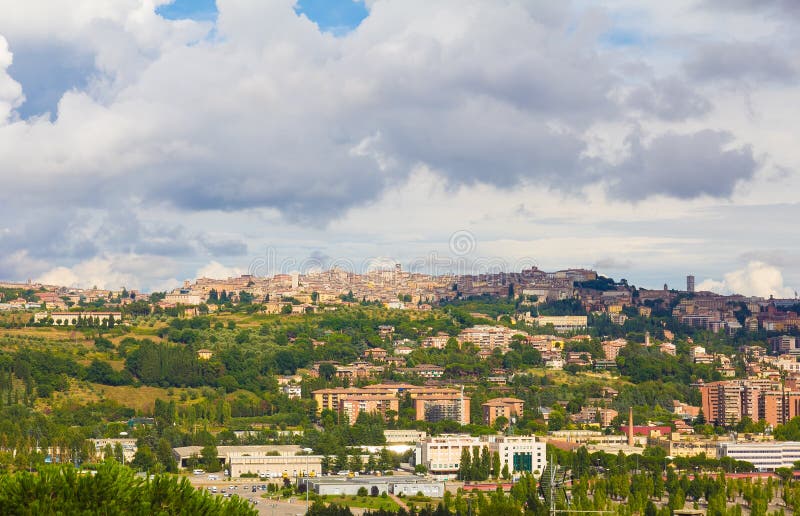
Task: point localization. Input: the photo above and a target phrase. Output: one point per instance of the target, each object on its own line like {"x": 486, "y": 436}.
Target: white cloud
{"x": 265, "y": 122}
{"x": 755, "y": 279}
{"x": 10, "y": 90}
{"x": 110, "y": 272}
{"x": 216, "y": 270}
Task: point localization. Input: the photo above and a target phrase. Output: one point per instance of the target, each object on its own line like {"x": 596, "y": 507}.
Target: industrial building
{"x": 397, "y": 485}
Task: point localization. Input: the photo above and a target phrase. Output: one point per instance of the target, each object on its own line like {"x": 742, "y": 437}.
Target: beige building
{"x": 273, "y": 461}
{"x": 432, "y": 407}
{"x": 563, "y": 322}
{"x": 502, "y": 407}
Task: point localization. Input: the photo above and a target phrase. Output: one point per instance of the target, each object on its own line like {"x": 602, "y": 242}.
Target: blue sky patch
{"x": 202, "y": 10}
{"x": 623, "y": 38}
{"x": 335, "y": 16}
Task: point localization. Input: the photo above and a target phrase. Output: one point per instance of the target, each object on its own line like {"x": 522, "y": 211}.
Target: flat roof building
{"x": 397, "y": 485}
{"x": 764, "y": 456}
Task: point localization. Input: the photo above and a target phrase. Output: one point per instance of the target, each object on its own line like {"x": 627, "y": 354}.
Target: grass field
{"x": 365, "y": 502}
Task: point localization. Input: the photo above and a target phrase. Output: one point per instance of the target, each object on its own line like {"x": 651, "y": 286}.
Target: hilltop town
{"x": 390, "y": 369}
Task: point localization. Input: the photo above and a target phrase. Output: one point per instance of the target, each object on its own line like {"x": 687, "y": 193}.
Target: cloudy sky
{"x": 143, "y": 142}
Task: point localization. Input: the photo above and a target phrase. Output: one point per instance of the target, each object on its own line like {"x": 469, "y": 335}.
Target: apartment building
{"x": 331, "y": 399}
{"x": 488, "y": 338}
{"x": 358, "y": 370}
{"x": 423, "y": 370}
{"x": 352, "y": 406}
{"x": 502, "y": 407}
{"x": 436, "y": 342}
{"x": 611, "y": 348}
{"x": 432, "y": 407}
{"x": 783, "y": 344}
{"x": 727, "y": 402}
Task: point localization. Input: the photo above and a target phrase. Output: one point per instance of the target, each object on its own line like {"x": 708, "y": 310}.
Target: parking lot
{"x": 243, "y": 488}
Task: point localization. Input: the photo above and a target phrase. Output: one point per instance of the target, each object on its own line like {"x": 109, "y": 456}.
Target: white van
{"x": 198, "y": 472}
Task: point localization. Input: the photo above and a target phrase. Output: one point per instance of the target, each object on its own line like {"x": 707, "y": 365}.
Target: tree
{"x": 144, "y": 460}
{"x": 500, "y": 423}
{"x": 286, "y": 309}
{"x": 465, "y": 466}
{"x": 114, "y": 489}
{"x": 496, "y": 465}
{"x": 486, "y": 463}
{"x": 355, "y": 463}
{"x": 506, "y": 474}
{"x": 210, "y": 458}
{"x": 119, "y": 454}
{"x": 165, "y": 457}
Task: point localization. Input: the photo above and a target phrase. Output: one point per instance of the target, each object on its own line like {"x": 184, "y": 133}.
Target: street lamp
{"x": 307, "y": 451}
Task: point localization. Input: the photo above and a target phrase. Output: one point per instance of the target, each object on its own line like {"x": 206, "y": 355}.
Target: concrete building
{"x": 611, "y": 348}
{"x": 183, "y": 298}
{"x": 358, "y": 370}
{"x": 563, "y": 322}
{"x": 352, "y": 401}
{"x": 396, "y": 485}
{"x": 129, "y": 447}
{"x": 433, "y": 407}
{"x": 487, "y": 338}
{"x": 292, "y": 391}
{"x": 423, "y": 370}
{"x": 764, "y": 456}
{"x": 404, "y": 436}
{"x": 783, "y": 344}
{"x": 274, "y": 461}
{"x": 442, "y": 454}
{"x": 690, "y": 283}
{"x": 352, "y": 406}
{"x": 502, "y": 407}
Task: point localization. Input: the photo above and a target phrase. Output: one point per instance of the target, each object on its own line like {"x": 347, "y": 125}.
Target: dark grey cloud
{"x": 611, "y": 263}
{"x": 49, "y": 233}
{"x": 671, "y": 99}
{"x": 46, "y": 71}
{"x": 684, "y": 166}
{"x": 741, "y": 61}
{"x": 778, "y": 257}
{"x": 222, "y": 247}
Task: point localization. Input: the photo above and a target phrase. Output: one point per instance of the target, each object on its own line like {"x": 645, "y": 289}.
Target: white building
{"x": 129, "y": 447}
{"x": 292, "y": 391}
{"x": 182, "y": 298}
{"x": 765, "y": 456}
{"x": 404, "y": 436}
{"x": 442, "y": 454}
{"x": 564, "y": 322}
